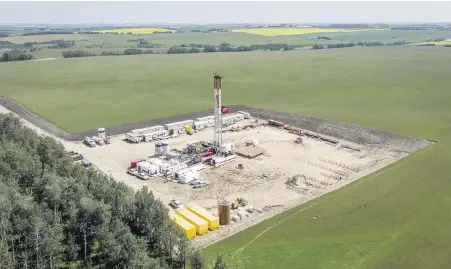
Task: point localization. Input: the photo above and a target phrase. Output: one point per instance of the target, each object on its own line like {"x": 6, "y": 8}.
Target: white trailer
{"x": 155, "y": 135}
{"x": 245, "y": 114}
{"x": 218, "y": 161}
{"x": 200, "y": 125}
{"x": 147, "y": 130}
{"x": 227, "y": 147}
{"x": 207, "y": 118}
{"x": 135, "y": 138}
{"x": 148, "y": 168}
{"x": 232, "y": 118}
{"x": 178, "y": 125}
{"x": 187, "y": 177}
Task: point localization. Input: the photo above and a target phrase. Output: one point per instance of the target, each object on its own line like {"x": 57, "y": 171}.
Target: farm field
{"x": 391, "y": 219}
{"x": 297, "y": 31}
{"x": 136, "y": 30}
{"x": 43, "y": 38}
{"x": 397, "y": 218}
{"x": 99, "y": 43}
{"x": 437, "y": 43}
{"x": 85, "y": 93}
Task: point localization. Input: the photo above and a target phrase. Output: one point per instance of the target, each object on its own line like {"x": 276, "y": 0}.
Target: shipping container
{"x": 224, "y": 109}
{"x": 183, "y": 225}
{"x": 276, "y": 123}
{"x": 213, "y": 222}
{"x": 200, "y": 224}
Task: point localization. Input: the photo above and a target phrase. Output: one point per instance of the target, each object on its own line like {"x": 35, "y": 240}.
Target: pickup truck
{"x": 176, "y": 204}
{"x": 143, "y": 176}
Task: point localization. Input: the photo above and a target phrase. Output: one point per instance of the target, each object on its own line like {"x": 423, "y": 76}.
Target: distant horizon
{"x": 214, "y": 13}
{"x": 213, "y": 24}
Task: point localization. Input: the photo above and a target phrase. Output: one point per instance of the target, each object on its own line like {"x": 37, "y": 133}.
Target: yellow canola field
{"x": 135, "y": 30}
{"x": 438, "y": 43}
{"x": 296, "y": 31}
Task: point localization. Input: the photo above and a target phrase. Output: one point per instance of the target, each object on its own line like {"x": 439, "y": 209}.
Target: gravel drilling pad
{"x": 332, "y": 155}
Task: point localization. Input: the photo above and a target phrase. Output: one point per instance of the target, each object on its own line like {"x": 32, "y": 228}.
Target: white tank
{"x": 158, "y": 148}
{"x": 165, "y": 146}
{"x": 101, "y": 133}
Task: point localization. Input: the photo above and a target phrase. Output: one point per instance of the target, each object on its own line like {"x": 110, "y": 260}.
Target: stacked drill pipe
{"x": 355, "y": 169}
{"x": 334, "y": 177}
{"x": 329, "y": 169}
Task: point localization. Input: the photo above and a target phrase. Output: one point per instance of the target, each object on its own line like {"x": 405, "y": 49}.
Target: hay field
{"x": 296, "y": 31}
{"x": 135, "y": 30}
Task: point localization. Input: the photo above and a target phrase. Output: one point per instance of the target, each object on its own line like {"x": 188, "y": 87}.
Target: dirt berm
{"x": 346, "y": 131}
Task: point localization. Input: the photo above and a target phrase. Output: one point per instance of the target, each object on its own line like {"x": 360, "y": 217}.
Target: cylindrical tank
{"x": 158, "y": 148}
{"x": 165, "y": 146}
{"x": 224, "y": 212}
{"x": 101, "y": 133}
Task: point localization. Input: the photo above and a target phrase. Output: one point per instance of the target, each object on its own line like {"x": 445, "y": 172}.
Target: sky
{"x": 222, "y": 12}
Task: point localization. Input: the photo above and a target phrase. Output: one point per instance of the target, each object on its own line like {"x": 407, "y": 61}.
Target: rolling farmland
{"x": 396, "y": 218}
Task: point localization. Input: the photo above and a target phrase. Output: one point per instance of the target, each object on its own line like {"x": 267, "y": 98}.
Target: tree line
{"x": 48, "y": 33}
{"x": 4, "y": 34}
{"x": 227, "y": 47}
{"x": 57, "y": 214}
{"x": 81, "y": 53}
{"x": 357, "y": 25}
{"x": 56, "y": 44}
{"x": 142, "y": 43}
{"x": 362, "y": 44}
{"x": 211, "y": 30}
{"x": 15, "y": 55}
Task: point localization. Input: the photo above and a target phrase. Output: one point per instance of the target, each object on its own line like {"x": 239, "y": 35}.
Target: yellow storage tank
{"x": 183, "y": 225}
{"x": 213, "y": 222}
{"x": 200, "y": 224}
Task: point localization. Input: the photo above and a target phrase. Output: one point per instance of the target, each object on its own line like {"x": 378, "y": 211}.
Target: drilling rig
{"x": 217, "y": 141}
{"x": 224, "y": 152}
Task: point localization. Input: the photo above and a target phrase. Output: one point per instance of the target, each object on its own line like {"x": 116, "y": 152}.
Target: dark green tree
{"x": 197, "y": 260}
{"x": 219, "y": 264}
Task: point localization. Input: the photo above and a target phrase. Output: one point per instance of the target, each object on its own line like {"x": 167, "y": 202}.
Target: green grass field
{"x": 396, "y": 218}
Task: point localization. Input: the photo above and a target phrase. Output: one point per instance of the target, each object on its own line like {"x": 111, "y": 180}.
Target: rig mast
{"x": 217, "y": 142}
